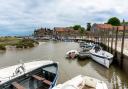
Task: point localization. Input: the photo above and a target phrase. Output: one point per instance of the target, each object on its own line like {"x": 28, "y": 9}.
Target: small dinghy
{"x": 101, "y": 56}
{"x": 31, "y": 75}
{"x": 82, "y": 43}
{"x": 83, "y": 54}
{"x": 82, "y": 82}
{"x": 72, "y": 54}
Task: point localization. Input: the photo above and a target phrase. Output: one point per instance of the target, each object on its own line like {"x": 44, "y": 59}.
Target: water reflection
{"x": 70, "y": 60}
{"x": 114, "y": 77}
{"x": 2, "y": 52}
{"x": 82, "y": 63}
{"x": 117, "y": 79}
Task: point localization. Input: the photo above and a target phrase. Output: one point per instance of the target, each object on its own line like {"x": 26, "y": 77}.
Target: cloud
{"x": 23, "y": 16}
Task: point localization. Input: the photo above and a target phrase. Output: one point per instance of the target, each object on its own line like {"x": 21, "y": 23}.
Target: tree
{"x": 76, "y": 27}
{"x": 124, "y": 23}
{"x": 82, "y": 29}
{"x": 88, "y": 26}
{"x": 114, "y": 21}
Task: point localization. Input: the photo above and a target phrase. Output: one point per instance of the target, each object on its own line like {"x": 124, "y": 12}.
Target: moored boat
{"x": 82, "y": 43}
{"x": 88, "y": 46}
{"x": 83, "y": 54}
{"x": 72, "y": 54}
{"x": 31, "y": 75}
{"x": 82, "y": 82}
{"x": 103, "y": 57}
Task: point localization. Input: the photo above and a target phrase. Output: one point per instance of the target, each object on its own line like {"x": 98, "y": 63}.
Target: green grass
{"x": 2, "y": 47}
{"x": 25, "y": 43}
{"x": 9, "y": 40}
{"x": 19, "y": 43}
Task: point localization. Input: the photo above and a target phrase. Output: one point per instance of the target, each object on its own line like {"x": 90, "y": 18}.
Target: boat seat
{"x": 17, "y": 86}
{"x": 42, "y": 79}
{"x": 38, "y": 77}
{"x": 47, "y": 82}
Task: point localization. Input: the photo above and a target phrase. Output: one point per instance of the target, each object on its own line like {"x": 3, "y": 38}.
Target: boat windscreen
{"x": 97, "y": 48}
{"x": 51, "y": 69}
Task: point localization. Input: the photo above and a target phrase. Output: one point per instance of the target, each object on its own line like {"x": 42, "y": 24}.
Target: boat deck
{"x": 87, "y": 87}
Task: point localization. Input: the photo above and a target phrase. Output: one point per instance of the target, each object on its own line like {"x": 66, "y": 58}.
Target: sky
{"x": 22, "y": 17}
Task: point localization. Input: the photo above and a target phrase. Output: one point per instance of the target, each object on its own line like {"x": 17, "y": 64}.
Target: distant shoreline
{"x": 16, "y": 42}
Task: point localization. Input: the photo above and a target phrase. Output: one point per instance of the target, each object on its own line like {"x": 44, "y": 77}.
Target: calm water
{"x": 114, "y": 77}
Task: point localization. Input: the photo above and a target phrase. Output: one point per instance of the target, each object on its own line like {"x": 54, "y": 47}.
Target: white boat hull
{"x": 101, "y": 56}
{"x": 80, "y": 82}
{"x": 103, "y": 61}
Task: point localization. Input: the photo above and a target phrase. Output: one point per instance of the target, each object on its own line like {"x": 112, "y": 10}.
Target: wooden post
{"x": 112, "y": 41}
{"x": 91, "y": 36}
{"x": 122, "y": 46}
{"x": 108, "y": 39}
{"x": 106, "y": 33}
{"x": 100, "y": 36}
{"x": 105, "y": 37}
{"x": 88, "y": 36}
{"x": 97, "y": 37}
{"x": 116, "y": 42}
{"x": 102, "y": 39}
{"x": 94, "y": 38}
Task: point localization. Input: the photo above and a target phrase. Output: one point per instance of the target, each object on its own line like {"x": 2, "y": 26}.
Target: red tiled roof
{"x": 121, "y": 27}
{"x": 59, "y": 29}
{"x": 109, "y": 27}
{"x": 62, "y": 29}
{"x": 104, "y": 26}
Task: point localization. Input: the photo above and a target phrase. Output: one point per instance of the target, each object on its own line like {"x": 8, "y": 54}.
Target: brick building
{"x": 65, "y": 31}
{"x": 107, "y": 27}
{"x": 43, "y": 32}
